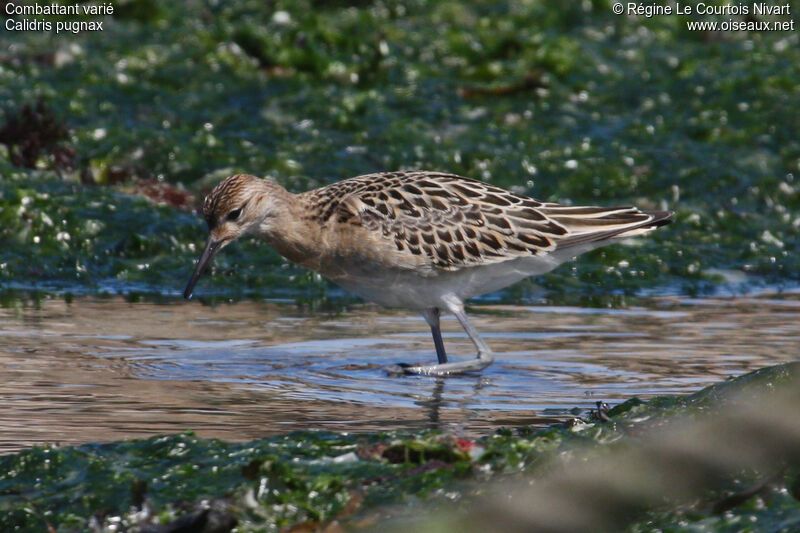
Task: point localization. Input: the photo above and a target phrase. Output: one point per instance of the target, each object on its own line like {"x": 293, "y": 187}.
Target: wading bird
{"x": 426, "y": 241}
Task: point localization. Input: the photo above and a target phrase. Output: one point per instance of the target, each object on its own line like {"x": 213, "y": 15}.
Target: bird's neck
{"x": 286, "y": 228}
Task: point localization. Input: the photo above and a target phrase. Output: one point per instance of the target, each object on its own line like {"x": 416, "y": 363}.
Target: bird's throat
{"x": 295, "y": 238}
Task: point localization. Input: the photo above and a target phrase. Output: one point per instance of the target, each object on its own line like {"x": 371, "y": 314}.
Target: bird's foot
{"x": 396, "y": 370}
{"x": 443, "y": 369}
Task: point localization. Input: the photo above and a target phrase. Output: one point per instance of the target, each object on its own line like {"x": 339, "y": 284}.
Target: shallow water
{"x": 105, "y": 369}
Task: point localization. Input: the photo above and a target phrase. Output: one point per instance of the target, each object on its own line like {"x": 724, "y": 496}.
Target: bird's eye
{"x": 233, "y": 215}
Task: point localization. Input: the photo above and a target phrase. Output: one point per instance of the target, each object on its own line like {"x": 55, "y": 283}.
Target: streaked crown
{"x": 229, "y": 195}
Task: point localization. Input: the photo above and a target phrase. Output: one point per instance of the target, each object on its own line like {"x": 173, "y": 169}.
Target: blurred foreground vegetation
{"x": 658, "y": 474}
{"x": 108, "y": 139}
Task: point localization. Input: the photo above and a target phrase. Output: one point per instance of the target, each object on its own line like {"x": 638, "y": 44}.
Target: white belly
{"x": 415, "y": 291}
{"x": 434, "y": 289}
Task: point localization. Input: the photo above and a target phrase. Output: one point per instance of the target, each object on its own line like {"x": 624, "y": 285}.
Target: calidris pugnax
{"x": 421, "y": 240}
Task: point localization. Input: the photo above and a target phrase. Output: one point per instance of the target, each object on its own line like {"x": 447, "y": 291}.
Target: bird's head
{"x": 237, "y": 205}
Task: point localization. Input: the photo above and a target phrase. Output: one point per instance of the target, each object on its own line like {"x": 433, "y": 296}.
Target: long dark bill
{"x": 211, "y": 249}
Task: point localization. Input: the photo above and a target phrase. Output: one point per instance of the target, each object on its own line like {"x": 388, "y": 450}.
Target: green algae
{"x": 567, "y": 102}
{"x": 309, "y": 479}
{"x": 90, "y": 239}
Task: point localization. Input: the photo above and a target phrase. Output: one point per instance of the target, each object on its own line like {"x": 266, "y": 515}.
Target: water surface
{"x": 106, "y": 369}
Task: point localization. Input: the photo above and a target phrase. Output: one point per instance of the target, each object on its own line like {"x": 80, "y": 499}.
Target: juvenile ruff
{"x": 422, "y": 240}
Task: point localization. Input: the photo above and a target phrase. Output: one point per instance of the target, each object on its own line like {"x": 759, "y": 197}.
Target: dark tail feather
{"x": 658, "y": 219}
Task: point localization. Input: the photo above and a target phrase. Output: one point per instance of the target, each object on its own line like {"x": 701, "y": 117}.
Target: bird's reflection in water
{"x": 434, "y": 403}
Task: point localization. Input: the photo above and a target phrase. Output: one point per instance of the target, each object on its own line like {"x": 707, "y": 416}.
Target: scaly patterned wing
{"x": 452, "y": 220}
{"x": 458, "y": 222}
